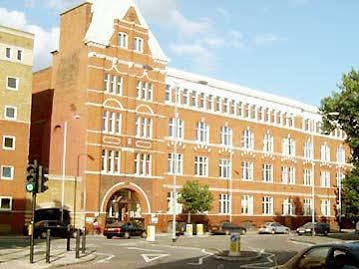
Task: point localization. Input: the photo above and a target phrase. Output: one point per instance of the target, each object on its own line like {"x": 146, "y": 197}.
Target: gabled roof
{"x": 101, "y": 29}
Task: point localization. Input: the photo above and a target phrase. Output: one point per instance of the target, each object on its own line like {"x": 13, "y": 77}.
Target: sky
{"x": 293, "y": 48}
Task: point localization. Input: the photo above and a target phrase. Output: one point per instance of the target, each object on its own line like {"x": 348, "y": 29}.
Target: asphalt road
{"x": 191, "y": 253}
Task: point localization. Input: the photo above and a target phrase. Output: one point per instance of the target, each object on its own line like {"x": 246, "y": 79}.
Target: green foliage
{"x": 341, "y": 110}
{"x": 195, "y": 198}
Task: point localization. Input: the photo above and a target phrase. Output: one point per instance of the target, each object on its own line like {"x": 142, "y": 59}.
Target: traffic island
{"x": 242, "y": 256}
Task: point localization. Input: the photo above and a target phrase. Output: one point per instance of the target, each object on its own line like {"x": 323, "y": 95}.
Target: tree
{"x": 195, "y": 198}
{"x": 341, "y": 110}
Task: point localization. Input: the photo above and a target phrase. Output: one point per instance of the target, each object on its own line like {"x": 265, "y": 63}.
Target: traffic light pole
{"x": 32, "y": 241}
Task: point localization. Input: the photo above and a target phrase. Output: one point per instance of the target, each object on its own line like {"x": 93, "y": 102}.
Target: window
{"x": 307, "y": 206}
{"x": 225, "y": 168}
{"x": 308, "y": 150}
{"x": 8, "y": 142}
{"x": 7, "y": 172}
{"x": 171, "y": 203}
{"x": 12, "y": 83}
{"x": 175, "y": 164}
{"x": 289, "y": 147}
{"x": 325, "y": 208}
{"x": 113, "y": 84}
{"x": 288, "y": 175}
{"x": 8, "y": 53}
{"x": 267, "y": 205}
{"x": 111, "y": 122}
{"x": 341, "y": 154}
{"x": 307, "y": 177}
{"x": 240, "y": 109}
{"x": 201, "y": 166}
{"x": 176, "y": 128}
{"x": 287, "y": 207}
{"x": 218, "y": 104}
{"x": 253, "y": 111}
{"x": 325, "y": 179}
{"x": 224, "y": 204}
{"x": 185, "y": 97}
{"x": 325, "y": 153}
{"x": 266, "y": 115}
{"x": 5, "y": 203}
{"x": 210, "y": 102}
{"x": 143, "y": 127}
{"x": 19, "y": 55}
{"x": 267, "y": 173}
{"x": 247, "y": 204}
{"x": 143, "y": 164}
{"x": 144, "y": 90}
{"x": 225, "y": 105}
{"x": 226, "y": 136}
{"x": 247, "y": 171}
{"x": 232, "y": 107}
{"x": 167, "y": 93}
{"x": 202, "y": 132}
{"x": 340, "y": 178}
{"x": 248, "y": 140}
{"x": 123, "y": 40}
{"x": 201, "y": 100}
{"x": 194, "y": 98}
{"x": 10, "y": 113}
{"x": 111, "y": 163}
{"x": 138, "y": 45}
{"x": 268, "y": 143}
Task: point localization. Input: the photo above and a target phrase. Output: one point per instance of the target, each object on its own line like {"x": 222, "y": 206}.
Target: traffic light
{"x": 31, "y": 178}
{"x": 42, "y": 179}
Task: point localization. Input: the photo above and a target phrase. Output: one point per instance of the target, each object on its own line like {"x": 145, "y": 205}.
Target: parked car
{"x": 228, "y": 228}
{"x": 319, "y": 228}
{"x": 357, "y": 228}
{"x": 57, "y": 229}
{"x": 273, "y": 228}
{"x": 331, "y": 256}
{"x": 124, "y": 229}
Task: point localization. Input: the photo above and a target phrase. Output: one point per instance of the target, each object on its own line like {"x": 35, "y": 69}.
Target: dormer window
{"x": 123, "y": 40}
{"x": 138, "y": 45}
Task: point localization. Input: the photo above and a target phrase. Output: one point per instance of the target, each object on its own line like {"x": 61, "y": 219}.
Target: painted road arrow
{"x": 152, "y": 257}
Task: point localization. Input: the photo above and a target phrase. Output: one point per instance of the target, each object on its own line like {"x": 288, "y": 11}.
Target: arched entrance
{"x": 126, "y": 201}
{"x": 124, "y": 205}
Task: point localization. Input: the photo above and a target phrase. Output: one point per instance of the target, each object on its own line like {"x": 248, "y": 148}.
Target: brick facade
{"x": 111, "y": 117}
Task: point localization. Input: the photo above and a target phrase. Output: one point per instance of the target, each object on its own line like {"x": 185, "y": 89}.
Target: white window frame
{"x": 202, "y": 132}
{"x": 178, "y": 206}
{"x": 268, "y": 173}
{"x": 185, "y": 97}
{"x": 224, "y": 204}
{"x": 168, "y": 93}
{"x": 144, "y": 127}
{"x": 267, "y": 205}
{"x": 5, "y": 197}
{"x": 308, "y": 177}
{"x": 268, "y": 143}
{"x": 307, "y": 206}
{"x": 341, "y": 154}
{"x": 226, "y": 136}
{"x": 247, "y": 205}
{"x": 247, "y": 171}
{"x": 22, "y": 55}
{"x": 17, "y": 83}
{"x": 12, "y": 170}
{"x": 325, "y": 179}
{"x": 122, "y": 40}
{"x": 248, "y": 139}
{"x": 138, "y": 45}
{"x": 10, "y": 50}
{"x": 308, "y": 150}
{"x": 225, "y": 169}
{"x": 143, "y": 164}
{"x": 201, "y": 166}
{"x": 325, "y": 153}
{"x": 176, "y": 128}
{"x": 175, "y": 161}
{"x": 325, "y": 207}
{"x": 109, "y": 162}
{"x": 340, "y": 177}
{"x": 13, "y": 144}
{"x": 288, "y": 207}
{"x": 15, "y": 113}
{"x": 289, "y": 147}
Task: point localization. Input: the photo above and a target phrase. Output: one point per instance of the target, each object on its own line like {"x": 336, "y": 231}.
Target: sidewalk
{"x": 315, "y": 240}
{"x": 19, "y": 257}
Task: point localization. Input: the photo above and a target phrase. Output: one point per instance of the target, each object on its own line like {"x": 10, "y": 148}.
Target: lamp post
{"x": 313, "y": 179}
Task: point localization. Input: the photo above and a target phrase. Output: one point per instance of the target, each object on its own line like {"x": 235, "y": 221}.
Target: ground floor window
{"x": 267, "y": 205}
{"x": 247, "y": 204}
{"x": 224, "y": 204}
{"x": 325, "y": 208}
{"x": 5, "y": 203}
{"x": 308, "y": 207}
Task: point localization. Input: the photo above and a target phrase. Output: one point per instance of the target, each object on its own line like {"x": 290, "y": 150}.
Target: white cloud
{"x": 45, "y": 41}
{"x": 236, "y": 39}
{"x": 265, "y": 39}
{"x": 61, "y": 4}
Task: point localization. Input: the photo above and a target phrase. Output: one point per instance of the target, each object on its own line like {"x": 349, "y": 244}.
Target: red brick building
{"x": 117, "y": 123}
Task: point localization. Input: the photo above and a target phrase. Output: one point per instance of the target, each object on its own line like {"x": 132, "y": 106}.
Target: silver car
{"x": 273, "y": 228}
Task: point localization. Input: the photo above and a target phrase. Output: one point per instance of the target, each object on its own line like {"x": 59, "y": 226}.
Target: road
{"x": 191, "y": 253}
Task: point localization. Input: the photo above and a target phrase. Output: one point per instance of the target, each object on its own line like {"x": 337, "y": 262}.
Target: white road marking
{"x": 145, "y": 249}
{"x": 152, "y": 257}
{"x": 200, "y": 260}
{"x": 105, "y": 260}
{"x": 121, "y": 245}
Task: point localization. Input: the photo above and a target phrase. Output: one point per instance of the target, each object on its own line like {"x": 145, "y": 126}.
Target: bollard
{"x": 189, "y": 230}
{"x": 151, "y": 233}
{"x": 235, "y": 244}
{"x": 48, "y": 245}
{"x": 83, "y": 247}
{"x": 77, "y": 243}
{"x": 68, "y": 238}
{"x": 199, "y": 229}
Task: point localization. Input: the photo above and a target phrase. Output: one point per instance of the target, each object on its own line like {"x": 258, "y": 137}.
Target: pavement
{"x": 331, "y": 238}
{"x": 15, "y": 253}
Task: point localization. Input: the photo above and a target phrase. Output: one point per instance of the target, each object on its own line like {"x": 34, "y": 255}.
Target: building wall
{"x": 12, "y": 219}
{"x": 77, "y": 77}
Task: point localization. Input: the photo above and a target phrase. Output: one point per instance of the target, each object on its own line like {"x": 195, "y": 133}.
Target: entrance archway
{"x": 125, "y": 201}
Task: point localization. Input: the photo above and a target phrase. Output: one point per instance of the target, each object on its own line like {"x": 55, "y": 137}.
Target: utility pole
{"x": 313, "y": 179}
